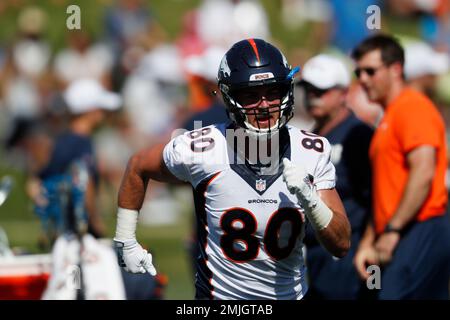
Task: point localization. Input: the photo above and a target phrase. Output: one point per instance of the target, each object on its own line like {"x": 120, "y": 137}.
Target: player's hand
{"x": 386, "y": 245}
{"x": 364, "y": 257}
{"x": 298, "y": 182}
{"x": 133, "y": 258}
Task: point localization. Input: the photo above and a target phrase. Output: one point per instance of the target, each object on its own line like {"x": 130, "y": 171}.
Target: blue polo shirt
{"x": 329, "y": 277}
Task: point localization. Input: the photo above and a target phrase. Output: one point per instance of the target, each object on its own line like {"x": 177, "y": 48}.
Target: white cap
{"x": 162, "y": 63}
{"x": 207, "y": 64}
{"x": 324, "y": 71}
{"x": 85, "y": 95}
{"x": 421, "y": 59}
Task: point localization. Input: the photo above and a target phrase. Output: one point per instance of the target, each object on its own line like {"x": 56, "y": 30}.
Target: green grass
{"x": 167, "y": 12}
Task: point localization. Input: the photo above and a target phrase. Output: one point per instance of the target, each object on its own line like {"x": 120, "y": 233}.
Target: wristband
{"x": 318, "y": 214}
{"x": 126, "y": 224}
{"x": 389, "y": 228}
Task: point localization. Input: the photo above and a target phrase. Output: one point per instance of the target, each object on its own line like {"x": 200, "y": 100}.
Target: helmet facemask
{"x": 250, "y": 64}
{"x": 240, "y": 114}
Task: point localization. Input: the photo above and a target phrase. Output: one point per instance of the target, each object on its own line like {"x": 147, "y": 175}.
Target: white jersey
{"x": 250, "y": 228}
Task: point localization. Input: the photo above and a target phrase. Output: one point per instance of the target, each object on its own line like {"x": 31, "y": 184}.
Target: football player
{"x": 250, "y": 210}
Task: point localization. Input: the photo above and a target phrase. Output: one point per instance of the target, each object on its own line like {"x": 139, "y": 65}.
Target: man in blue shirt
{"x": 325, "y": 80}
{"x": 86, "y": 101}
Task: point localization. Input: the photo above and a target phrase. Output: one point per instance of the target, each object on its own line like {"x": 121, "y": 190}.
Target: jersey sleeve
{"x": 421, "y": 127}
{"x": 325, "y": 173}
{"x": 176, "y": 156}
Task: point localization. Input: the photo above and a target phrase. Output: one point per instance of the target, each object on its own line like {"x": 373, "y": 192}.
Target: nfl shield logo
{"x": 260, "y": 185}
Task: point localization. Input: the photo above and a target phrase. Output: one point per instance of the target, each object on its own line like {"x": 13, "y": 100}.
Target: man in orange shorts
{"x": 410, "y": 232}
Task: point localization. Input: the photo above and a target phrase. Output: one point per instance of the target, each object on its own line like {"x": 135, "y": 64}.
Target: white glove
{"x": 299, "y": 183}
{"x": 133, "y": 258}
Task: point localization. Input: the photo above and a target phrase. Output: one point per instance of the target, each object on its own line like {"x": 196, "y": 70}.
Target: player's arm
{"x": 142, "y": 166}
{"x": 335, "y": 237}
{"x": 323, "y": 208}
{"x": 422, "y": 164}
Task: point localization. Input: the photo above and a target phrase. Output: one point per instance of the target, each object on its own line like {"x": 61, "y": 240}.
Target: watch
{"x": 390, "y": 228}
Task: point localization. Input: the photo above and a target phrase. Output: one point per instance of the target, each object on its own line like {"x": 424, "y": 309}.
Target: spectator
{"x": 157, "y": 78}
{"x": 222, "y": 22}
{"x": 410, "y": 233}
{"x": 83, "y": 59}
{"x": 433, "y": 16}
{"x": 332, "y": 21}
{"x": 326, "y": 81}
{"x": 31, "y": 53}
{"x": 124, "y": 20}
{"x": 189, "y": 41}
{"x": 423, "y": 65}
{"x": 202, "y": 71}
{"x": 87, "y": 102}
{"x": 26, "y": 67}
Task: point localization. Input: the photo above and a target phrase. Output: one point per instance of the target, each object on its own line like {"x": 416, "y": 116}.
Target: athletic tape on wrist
{"x": 319, "y": 214}
{"x": 126, "y": 224}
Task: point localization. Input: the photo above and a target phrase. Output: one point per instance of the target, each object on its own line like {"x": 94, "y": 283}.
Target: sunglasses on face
{"x": 370, "y": 71}
{"x": 255, "y": 96}
{"x": 310, "y": 89}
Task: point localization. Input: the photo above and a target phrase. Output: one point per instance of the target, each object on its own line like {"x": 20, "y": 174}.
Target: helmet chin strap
{"x": 271, "y": 130}
{"x": 263, "y": 130}
{"x": 260, "y": 135}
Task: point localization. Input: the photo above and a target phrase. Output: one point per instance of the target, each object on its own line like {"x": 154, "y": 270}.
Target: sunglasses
{"x": 255, "y": 95}
{"x": 370, "y": 71}
{"x": 310, "y": 89}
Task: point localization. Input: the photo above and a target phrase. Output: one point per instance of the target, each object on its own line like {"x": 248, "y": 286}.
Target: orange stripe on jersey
{"x": 255, "y": 48}
{"x": 200, "y": 208}
{"x": 211, "y": 180}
